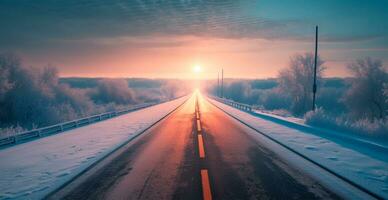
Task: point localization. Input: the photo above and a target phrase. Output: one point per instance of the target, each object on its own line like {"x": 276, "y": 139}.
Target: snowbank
{"x": 369, "y": 172}
{"x": 34, "y": 169}
{"x": 376, "y": 131}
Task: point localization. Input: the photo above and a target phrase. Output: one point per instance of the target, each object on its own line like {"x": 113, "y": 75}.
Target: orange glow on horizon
{"x": 240, "y": 58}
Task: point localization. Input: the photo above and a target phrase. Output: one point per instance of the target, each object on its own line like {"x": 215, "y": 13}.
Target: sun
{"x": 197, "y": 69}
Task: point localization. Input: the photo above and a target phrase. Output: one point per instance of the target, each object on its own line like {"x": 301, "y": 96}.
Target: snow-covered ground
{"x": 34, "y": 169}
{"x": 349, "y": 161}
{"x": 283, "y": 117}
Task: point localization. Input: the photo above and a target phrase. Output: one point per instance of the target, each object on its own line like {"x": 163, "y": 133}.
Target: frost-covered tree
{"x": 31, "y": 97}
{"x": 365, "y": 98}
{"x": 386, "y": 92}
{"x": 173, "y": 88}
{"x": 238, "y": 91}
{"x": 8, "y": 63}
{"x": 114, "y": 90}
{"x": 297, "y": 81}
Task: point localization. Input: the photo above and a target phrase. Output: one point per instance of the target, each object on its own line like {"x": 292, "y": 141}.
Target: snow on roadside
{"x": 286, "y": 118}
{"x": 369, "y": 172}
{"x": 34, "y": 169}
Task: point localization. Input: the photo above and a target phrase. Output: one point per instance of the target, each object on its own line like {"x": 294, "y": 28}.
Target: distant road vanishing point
{"x": 197, "y": 152}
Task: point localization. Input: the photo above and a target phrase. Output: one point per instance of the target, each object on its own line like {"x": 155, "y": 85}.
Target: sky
{"x": 167, "y": 38}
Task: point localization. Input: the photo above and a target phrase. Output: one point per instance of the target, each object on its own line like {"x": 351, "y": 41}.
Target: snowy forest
{"x": 352, "y": 105}
{"x": 32, "y": 97}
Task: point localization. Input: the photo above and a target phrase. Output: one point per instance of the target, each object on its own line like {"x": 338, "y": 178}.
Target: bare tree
{"x": 297, "y": 80}
{"x": 366, "y": 98}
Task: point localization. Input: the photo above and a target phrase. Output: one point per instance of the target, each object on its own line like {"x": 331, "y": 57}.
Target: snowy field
{"x": 350, "y": 161}
{"x": 34, "y": 169}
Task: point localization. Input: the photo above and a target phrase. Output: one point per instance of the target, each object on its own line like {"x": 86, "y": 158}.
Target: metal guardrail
{"x": 250, "y": 109}
{"x": 58, "y": 128}
{"x": 326, "y": 133}
{"x": 241, "y": 106}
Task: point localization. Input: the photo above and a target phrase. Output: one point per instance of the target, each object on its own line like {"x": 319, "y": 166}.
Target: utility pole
{"x": 222, "y": 83}
{"x": 218, "y": 84}
{"x": 315, "y": 66}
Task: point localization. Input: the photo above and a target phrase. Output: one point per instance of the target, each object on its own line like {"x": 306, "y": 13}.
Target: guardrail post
{"x": 61, "y": 127}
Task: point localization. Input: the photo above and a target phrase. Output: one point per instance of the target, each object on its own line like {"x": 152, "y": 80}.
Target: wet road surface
{"x": 198, "y": 152}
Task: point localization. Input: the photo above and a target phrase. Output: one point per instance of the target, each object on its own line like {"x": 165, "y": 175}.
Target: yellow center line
{"x": 200, "y": 147}
{"x": 198, "y": 125}
{"x": 206, "y": 191}
{"x": 207, "y": 194}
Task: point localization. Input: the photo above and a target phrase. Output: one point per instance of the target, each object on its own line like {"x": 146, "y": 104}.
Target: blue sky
{"x": 341, "y": 20}
{"x": 70, "y": 34}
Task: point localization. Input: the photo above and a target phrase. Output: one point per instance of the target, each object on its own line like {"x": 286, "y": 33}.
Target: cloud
{"x": 45, "y": 22}
{"x": 48, "y": 23}
{"x": 143, "y": 42}
{"x": 351, "y": 38}
{"x": 79, "y": 35}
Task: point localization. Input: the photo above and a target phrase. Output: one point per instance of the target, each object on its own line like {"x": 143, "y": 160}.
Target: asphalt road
{"x": 196, "y": 153}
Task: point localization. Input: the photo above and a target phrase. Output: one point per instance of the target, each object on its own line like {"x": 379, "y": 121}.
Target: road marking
{"x": 197, "y": 115}
{"x": 207, "y": 194}
{"x": 200, "y": 146}
{"x": 198, "y": 126}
